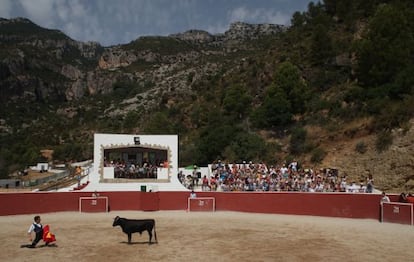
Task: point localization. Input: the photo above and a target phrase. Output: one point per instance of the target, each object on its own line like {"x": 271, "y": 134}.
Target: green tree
{"x": 187, "y": 153}
{"x": 68, "y": 152}
{"x": 298, "y": 19}
{"x": 159, "y": 123}
{"x": 213, "y": 140}
{"x": 321, "y": 45}
{"x": 237, "y": 101}
{"x": 314, "y": 10}
{"x": 387, "y": 48}
{"x": 317, "y": 14}
{"x": 31, "y": 155}
{"x": 248, "y": 146}
{"x": 287, "y": 95}
{"x": 404, "y": 83}
{"x": 288, "y": 78}
{"x": 198, "y": 114}
{"x": 275, "y": 111}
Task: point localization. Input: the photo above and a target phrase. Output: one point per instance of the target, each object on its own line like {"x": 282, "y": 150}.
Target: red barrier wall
{"x": 318, "y": 204}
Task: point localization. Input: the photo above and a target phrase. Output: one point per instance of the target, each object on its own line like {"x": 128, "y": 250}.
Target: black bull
{"x": 130, "y": 226}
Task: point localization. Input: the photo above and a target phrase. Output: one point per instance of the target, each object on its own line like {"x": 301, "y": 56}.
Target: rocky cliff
{"x": 71, "y": 69}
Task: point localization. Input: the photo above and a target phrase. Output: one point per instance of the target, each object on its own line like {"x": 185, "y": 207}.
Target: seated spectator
{"x": 384, "y": 198}
{"x": 352, "y": 188}
{"x": 362, "y": 188}
{"x": 403, "y": 198}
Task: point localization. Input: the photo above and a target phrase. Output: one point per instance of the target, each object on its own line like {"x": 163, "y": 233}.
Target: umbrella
{"x": 191, "y": 167}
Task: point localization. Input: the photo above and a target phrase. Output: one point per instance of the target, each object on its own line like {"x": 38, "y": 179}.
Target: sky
{"x": 112, "y": 22}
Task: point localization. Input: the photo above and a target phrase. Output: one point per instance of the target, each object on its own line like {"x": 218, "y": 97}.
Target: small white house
{"x": 41, "y": 167}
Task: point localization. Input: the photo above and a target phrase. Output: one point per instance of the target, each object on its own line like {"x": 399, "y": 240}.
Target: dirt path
{"x": 219, "y": 236}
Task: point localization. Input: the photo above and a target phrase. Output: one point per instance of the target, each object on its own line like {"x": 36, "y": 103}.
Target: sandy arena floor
{"x": 200, "y": 236}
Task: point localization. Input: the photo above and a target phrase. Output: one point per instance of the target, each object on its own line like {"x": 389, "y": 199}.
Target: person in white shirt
{"x": 385, "y": 198}
{"x": 36, "y": 227}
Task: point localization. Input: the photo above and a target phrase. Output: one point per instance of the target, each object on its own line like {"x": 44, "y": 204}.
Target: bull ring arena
{"x": 223, "y": 226}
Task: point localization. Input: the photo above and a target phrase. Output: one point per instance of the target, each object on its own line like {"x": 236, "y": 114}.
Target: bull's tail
{"x": 155, "y": 234}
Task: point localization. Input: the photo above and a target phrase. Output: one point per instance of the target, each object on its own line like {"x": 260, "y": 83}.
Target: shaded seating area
{"x": 135, "y": 162}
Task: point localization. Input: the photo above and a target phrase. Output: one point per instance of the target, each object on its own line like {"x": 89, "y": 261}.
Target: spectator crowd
{"x": 123, "y": 169}
{"x": 261, "y": 177}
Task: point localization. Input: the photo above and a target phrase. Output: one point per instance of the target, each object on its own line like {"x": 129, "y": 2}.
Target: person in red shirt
{"x": 213, "y": 183}
{"x": 205, "y": 185}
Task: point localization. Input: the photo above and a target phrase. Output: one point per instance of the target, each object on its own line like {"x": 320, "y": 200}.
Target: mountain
{"x": 334, "y": 90}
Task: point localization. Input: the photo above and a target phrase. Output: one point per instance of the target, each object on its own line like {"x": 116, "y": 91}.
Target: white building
{"x": 115, "y": 155}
